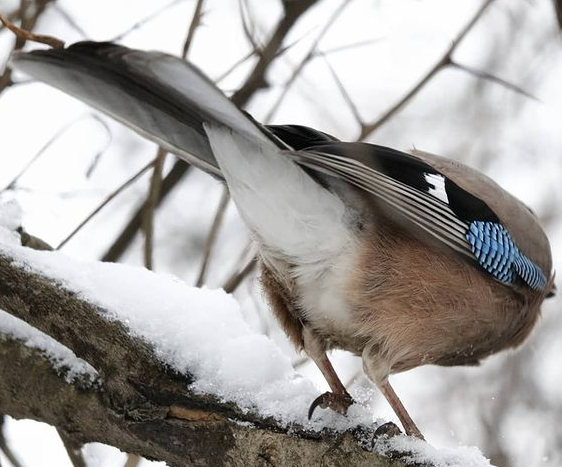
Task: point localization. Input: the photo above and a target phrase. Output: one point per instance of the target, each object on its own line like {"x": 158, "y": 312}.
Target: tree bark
{"x": 138, "y": 404}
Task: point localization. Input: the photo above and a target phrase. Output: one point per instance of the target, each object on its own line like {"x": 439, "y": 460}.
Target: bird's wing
{"x": 300, "y": 137}
{"x": 432, "y": 201}
{"x": 160, "y": 96}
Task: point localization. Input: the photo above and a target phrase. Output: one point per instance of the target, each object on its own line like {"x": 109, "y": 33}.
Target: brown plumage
{"x": 403, "y": 259}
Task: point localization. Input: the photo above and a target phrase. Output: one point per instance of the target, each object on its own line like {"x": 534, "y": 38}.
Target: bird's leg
{"x": 378, "y": 369}
{"x": 399, "y": 409}
{"x": 339, "y": 399}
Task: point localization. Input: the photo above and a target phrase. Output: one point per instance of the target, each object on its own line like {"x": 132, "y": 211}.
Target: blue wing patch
{"x": 497, "y": 253}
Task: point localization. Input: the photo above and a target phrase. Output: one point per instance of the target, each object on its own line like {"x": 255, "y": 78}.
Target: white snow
{"x": 203, "y": 332}
{"x": 422, "y": 453}
{"x": 10, "y": 220}
{"x": 62, "y": 358}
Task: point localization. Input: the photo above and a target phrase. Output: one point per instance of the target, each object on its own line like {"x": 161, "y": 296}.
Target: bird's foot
{"x": 337, "y": 402}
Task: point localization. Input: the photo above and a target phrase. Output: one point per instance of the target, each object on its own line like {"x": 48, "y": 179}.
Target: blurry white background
{"x": 511, "y": 406}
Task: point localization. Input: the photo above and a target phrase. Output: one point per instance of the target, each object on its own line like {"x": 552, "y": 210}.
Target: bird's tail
{"x": 163, "y": 98}
{"x": 172, "y": 103}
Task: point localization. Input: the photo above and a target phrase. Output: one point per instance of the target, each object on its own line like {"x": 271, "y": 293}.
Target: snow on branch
{"x": 140, "y": 361}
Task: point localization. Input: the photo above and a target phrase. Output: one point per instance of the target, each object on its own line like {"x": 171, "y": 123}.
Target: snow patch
{"x": 63, "y": 359}
{"x": 423, "y": 453}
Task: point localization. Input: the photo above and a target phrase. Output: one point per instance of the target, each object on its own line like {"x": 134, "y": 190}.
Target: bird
{"x": 401, "y": 258}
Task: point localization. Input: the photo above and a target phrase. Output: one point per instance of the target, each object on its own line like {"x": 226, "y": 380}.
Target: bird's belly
{"x": 323, "y": 291}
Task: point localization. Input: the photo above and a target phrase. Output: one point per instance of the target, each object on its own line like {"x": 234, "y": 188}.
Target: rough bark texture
{"x": 139, "y": 405}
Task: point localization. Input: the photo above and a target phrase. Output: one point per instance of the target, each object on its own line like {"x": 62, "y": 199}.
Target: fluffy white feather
{"x": 293, "y": 218}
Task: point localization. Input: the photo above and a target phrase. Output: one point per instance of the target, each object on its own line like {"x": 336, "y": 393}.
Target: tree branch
{"x": 139, "y": 405}
{"x": 367, "y": 129}
{"x": 256, "y": 79}
{"x": 124, "y": 239}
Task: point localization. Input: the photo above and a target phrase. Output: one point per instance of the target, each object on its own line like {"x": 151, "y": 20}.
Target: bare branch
{"x": 212, "y": 236}
{"x": 240, "y": 274}
{"x": 28, "y": 22}
{"x": 343, "y": 91}
{"x": 195, "y": 23}
{"x": 70, "y": 20}
{"x": 151, "y": 204}
{"x": 367, "y": 129}
{"x": 248, "y": 26}
{"x": 494, "y": 79}
{"x": 124, "y": 239}
{"x": 24, "y": 35}
{"x": 347, "y": 47}
{"x": 309, "y": 56}
{"x": 12, "y": 184}
{"x": 107, "y": 200}
{"x": 145, "y": 20}
{"x": 256, "y": 79}
{"x": 12, "y": 17}
{"x": 233, "y": 67}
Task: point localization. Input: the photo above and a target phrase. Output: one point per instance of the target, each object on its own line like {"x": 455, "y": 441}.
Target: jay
{"x": 403, "y": 259}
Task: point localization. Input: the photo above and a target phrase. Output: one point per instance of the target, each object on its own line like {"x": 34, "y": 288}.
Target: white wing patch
{"x": 438, "y": 183}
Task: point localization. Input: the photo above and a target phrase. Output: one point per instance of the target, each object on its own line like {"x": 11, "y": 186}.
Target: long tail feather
{"x": 163, "y": 98}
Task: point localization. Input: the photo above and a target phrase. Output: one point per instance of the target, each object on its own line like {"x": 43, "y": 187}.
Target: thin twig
{"x": 145, "y": 20}
{"x": 248, "y": 26}
{"x": 212, "y": 236}
{"x": 347, "y": 47}
{"x": 48, "y": 144}
{"x": 24, "y": 35}
{"x": 12, "y": 17}
{"x": 253, "y": 52}
{"x": 343, "y": 91}
{"x": 156, "y": 181}
{"x": 70, "y": 20}
{"x": 367, "y": 129}
{"x": 232, "y": 283}
{"x": 256, "y": 79}
{"x": 124, "y": 239}
{"x": 235, "y": 65}
{"x": 101, "y": 152}
{"x": 195, "y": 23}
{"x": 107, "y": 200}
{"x": 28, "y": 22}
{"x": 151, "y": 204}
{"x": 308, "y": 57}
{"x": 494, "y": 79}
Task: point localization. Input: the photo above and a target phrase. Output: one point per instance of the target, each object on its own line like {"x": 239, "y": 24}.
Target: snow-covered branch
{"x": 126, "y": 357}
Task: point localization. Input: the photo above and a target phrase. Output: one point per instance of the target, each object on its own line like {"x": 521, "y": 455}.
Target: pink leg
{"x": 400, "y": 410}
{"x": 339, "y": 399}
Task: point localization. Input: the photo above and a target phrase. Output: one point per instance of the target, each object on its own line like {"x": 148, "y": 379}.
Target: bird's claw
{"x": 337, "y": 402}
